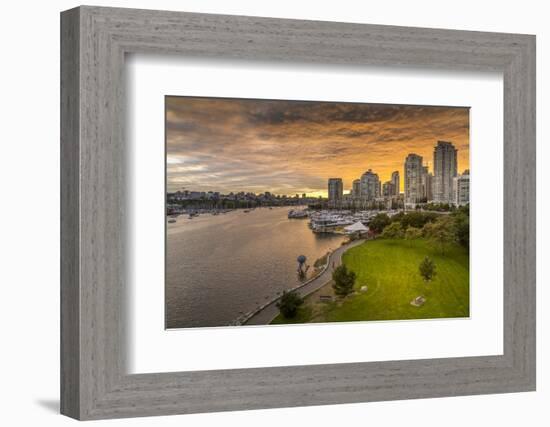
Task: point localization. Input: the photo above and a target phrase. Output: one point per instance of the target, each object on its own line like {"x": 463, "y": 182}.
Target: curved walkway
{"x": 264, "y": 315}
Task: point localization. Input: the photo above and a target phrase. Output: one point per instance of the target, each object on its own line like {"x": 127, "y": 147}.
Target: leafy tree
{"x": 379, "y": 222}
{"x": 414, "y": 219}
{"x": 413, "y": 233}
{"x": 440, "y": 232}
{"x": 289, "y": 303}
{"x": 418, "y": 219}
{"x": 464, "y": 209}
{"x": 427, "y": 269}
{"x": 344, "y": 280}
{"x": 440, "y": 207}
{"x": 393, "y": 231}
{"x": 398, "y": 217}
{"x": 462, "y": 227}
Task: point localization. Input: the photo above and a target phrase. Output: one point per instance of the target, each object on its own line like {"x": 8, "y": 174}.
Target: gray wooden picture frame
{"x": 94, "y": 381}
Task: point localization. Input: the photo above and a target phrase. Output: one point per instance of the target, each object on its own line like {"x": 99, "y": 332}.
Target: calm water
{"x": 220, "y": 266}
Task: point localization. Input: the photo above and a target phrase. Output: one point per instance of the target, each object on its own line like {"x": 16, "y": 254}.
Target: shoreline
{"x": 253, "y": 313}
{"x": 270, "y": 311}
{"x": 269, "y": 258}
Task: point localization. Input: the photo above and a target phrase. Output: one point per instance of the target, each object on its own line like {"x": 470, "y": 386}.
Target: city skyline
{"x": 421, "y": 185}
{"x": 289, "y": 147}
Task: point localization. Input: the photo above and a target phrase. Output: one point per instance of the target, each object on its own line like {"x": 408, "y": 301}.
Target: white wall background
{"x": 29, "y": 212}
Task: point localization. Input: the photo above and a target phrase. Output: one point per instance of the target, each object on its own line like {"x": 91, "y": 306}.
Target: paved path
{"x": 270, "y": 311}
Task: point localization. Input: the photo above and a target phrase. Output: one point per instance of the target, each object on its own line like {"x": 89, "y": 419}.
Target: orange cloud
{"x": 289, "y": 147}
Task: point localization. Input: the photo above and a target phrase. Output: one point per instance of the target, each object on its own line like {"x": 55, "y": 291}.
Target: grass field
{"x": 389, "y": 268}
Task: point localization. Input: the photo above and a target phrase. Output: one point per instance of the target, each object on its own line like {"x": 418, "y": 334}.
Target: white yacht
{"x": 296, "y": 213}
{"x": 326, "y": 222}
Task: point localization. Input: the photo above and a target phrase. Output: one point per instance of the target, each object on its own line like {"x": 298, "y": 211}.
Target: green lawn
{"x": 390, "y": 270}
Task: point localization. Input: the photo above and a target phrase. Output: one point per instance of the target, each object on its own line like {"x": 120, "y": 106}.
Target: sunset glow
{"x": 293, "y": 147}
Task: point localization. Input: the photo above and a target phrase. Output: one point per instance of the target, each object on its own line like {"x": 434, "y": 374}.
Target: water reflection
{"x": 218, "y": 267}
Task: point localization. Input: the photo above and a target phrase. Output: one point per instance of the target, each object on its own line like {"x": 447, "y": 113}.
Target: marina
{"x": 320, "y": 221}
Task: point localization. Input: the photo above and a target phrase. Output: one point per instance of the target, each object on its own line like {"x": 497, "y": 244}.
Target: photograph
{"x": 298, "y": 211}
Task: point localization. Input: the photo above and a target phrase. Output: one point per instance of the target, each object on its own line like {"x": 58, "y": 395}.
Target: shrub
{"x": 379, "y": 222}
{"x": 393, "y": 231}
{"x": 462, "y": 227}
{"x": 427, "y": 269}
{"x": 344, "y": 280}
{"x": 441, "y": 232}
{"x": 289, "y": 303}
{"x": 413, "y": 233}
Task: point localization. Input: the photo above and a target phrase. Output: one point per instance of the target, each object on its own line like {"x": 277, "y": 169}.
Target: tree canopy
{"x": 344, "y": 280}
{"x": 414, "y": 219}
{"x": 427, "y": 269}
{"x": 441, "y": 232}
{"x": 462, "y": 226}
{"x": 393, "y": 231}
{"x": 289, "y": 303}
{"x": 412, "y": 233}
{"x": 379, "y": 222}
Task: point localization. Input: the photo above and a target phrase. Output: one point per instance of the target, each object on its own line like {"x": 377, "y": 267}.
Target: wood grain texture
{"x": 95, "y": 383}
{"x": 70, "y": 292}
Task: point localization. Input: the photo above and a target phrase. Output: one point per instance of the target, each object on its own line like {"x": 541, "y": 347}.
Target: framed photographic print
{"x": 347, "y": 210}
{"x": 297, "y": 255}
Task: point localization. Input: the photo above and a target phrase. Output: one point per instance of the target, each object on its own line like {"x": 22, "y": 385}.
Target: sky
{"x": 289, "y": 147}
